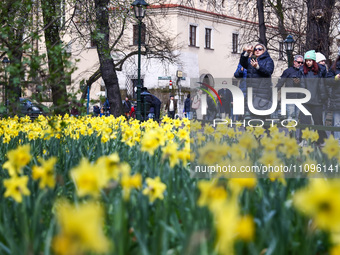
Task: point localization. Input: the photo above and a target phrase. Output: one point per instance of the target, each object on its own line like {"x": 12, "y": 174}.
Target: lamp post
{"x": 5, "y": 61}
{"x": 139, "y": 7}
{"x": 289, "y": 45}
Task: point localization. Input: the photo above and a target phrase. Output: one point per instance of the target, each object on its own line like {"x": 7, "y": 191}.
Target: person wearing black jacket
{"x": 127, "y": 107}
{"x": 187, "y": 110}
{"x": 260, "y": 68}
{"x": 241, "y": 73}
{"x": 211, "y": 109}
{"x": 311, "y": 79}
{"x": 334, "y": 85}
{"x": 153, "y": 101}
{"x": 290, "y": 78}
{"x": 157, "y": 105}
{"x": 226, "y": 107}
{"x": 321, "y": 60}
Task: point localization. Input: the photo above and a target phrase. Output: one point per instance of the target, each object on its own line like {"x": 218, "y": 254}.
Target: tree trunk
{"x": 16, "y": 75}
{"x": 94, "y": 77}
{"x": 262, "y": 26}
{"x": 278, "y": 9}
{"x": 107, "y": 67}
{"x": 318, "y": 25}
{"x": 15, "y": 80}
{"x": 55, "y": 53}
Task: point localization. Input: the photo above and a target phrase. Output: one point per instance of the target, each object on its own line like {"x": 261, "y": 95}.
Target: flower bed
{"x": 106, "y": 186}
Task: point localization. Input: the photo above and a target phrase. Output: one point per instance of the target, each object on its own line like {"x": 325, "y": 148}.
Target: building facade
{"x": 208, "y": 37}
{"x": 210, "y": 43}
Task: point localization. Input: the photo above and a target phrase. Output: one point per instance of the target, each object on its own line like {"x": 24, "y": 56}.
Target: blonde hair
{"x": 264, "y": 47}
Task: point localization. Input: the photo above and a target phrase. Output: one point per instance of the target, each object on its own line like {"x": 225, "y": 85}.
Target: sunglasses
{"x": 258, "y": 49}
{"x": 299, "y": 62}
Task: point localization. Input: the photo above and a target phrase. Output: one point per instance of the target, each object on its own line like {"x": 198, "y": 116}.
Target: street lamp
{"x": 289, "y": 45}
{"x": 5, "y": 61}
{"x": 139, "y": 7}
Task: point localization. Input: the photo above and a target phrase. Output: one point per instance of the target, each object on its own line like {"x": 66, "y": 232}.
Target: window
{"x": 281, "y": 51}
{"x": 208, "y": 38}
{"x": 235, "y": 43}
{"x": 192, "y": 35}
{"x": 135, "y": 34}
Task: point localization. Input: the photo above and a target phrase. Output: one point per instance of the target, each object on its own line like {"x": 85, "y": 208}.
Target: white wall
{"x": 220, "y": 62}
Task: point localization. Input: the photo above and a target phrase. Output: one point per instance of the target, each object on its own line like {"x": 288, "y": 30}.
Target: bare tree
{"x": 106, "y": 30}
{"x": 20, "y": 34}
{"x": 107, "y": 67}
{"x": 262, "y": 26}
{"x": 281, "y": 19}
{"x": 56, "y": 54}
{"x": 14, "y": 18}
{"x": 310, "y": 22}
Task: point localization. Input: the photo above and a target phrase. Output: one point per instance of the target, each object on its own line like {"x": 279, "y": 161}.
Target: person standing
{"x": 321, "y": 60}
{"x": 127, "y": 107}
{"x": 290, "y": 78}
{"x": 96, "y": 110}
{"x": 241, "y": 73}
{"x": 226, "y": 107}
{"x": 157, "y": 105}
{"x": 171, "y": 107}
{"x": 132, "y": 112}
{"x": 221, "y": 108}
{"x": 311, "y": 79}
{"x": 260, "y": 68}
{"x": 75, "y": 110}
{"x": 196, "y": 105}
{"x": 106, "y": 107}
{"x": 153, "y": 102}
{"x": 211, "y": 109}
{"x": 187, "y": 110}
{"x": 334, "y": 85}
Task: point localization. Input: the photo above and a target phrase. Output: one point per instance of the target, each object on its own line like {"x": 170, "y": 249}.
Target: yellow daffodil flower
{"x": 170, "y": 152}
{"x": 331, "y": 148}
{"x": 45, "y": 173}
{"x": 81, "y": 229}
{"x": 155, "y": 189}
{"x": 129, "y": 182}
{"x": 211, "y": 194}
{"x": 17, "y": 159}
{"x": 88, "y": 178}
{"x": 320, "y": 200}
{"x": 16, "y": 187}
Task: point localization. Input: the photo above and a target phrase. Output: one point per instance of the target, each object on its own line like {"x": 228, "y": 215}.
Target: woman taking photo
{"x": 260, "y": 68}
{"x": 311, "y": 79}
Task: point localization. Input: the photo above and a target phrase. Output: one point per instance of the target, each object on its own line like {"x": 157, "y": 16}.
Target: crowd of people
{"x": 255, "y": 70}
{"x": 310, "y": 71}
{"x": 150, "y": 107}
